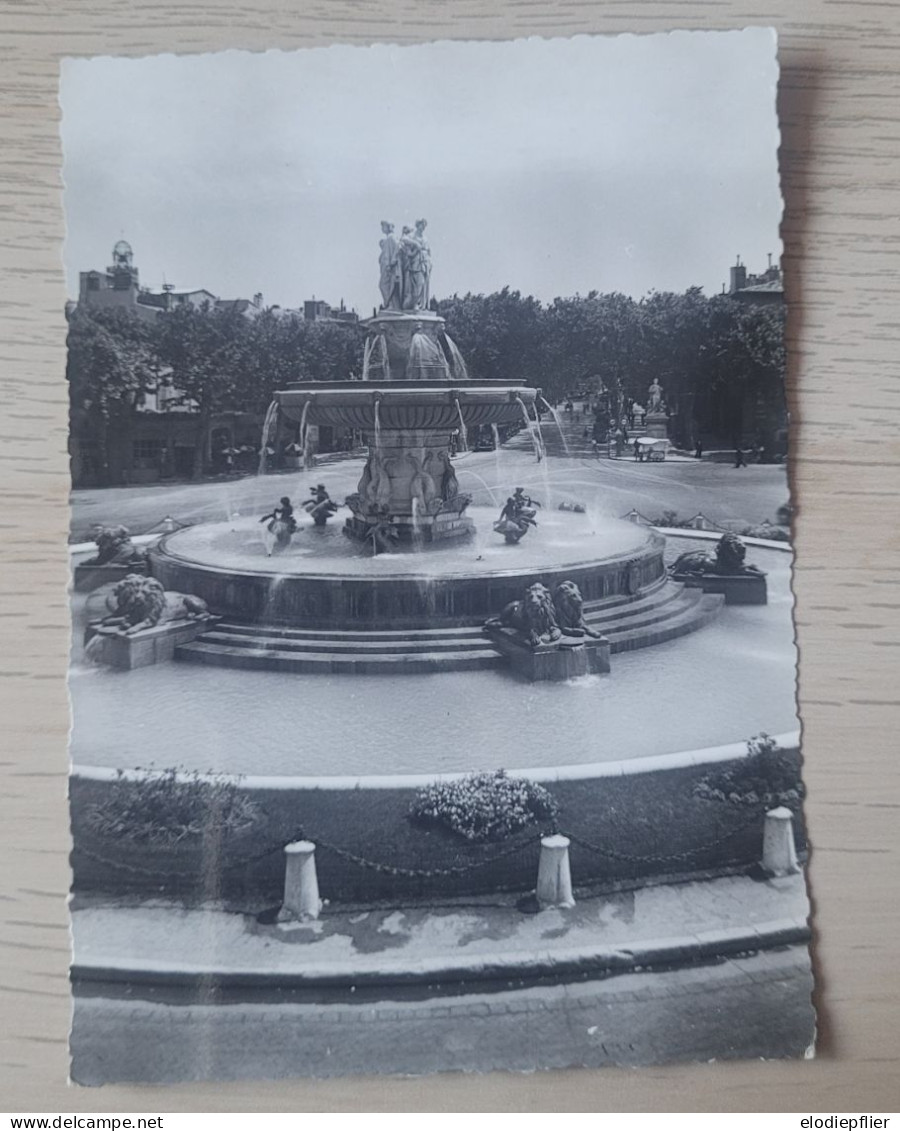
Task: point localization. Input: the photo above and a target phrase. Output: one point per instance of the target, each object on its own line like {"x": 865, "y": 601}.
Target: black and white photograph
{"x": 433, "y": 668}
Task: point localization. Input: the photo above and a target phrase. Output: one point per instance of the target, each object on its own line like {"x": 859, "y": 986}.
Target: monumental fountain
{"x": 410, "y": 580}
{"x": 447, "y": 593}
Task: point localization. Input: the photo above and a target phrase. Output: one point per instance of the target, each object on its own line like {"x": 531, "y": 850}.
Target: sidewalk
{"x": 160, "y": 943}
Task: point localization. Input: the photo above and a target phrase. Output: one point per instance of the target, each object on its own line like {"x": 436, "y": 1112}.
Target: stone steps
{"x": 692, "y": 616}
{"x": 343, "y": 644}
{"x": 332, "y": 663}
{"x": 668, "y": 611}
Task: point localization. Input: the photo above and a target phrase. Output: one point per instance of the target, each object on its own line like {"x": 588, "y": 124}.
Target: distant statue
{"x": 656, "y": 397}
{"x": 391, "y": 279}
{"x": 415, "y": 257}
{"x": 533, "y": 618}
{"x": 140, "y": 602}
{"x": 115, "y": 547}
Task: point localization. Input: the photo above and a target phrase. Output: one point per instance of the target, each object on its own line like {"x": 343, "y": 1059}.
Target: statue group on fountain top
{"x": 405, "y": 264}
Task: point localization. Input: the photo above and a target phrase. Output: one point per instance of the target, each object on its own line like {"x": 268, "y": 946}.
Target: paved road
{"x": 723, "y": 493}
{"x": 757, "y": 1006}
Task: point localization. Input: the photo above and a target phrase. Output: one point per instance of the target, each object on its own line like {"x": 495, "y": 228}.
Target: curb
{"x": 595, "y": 962}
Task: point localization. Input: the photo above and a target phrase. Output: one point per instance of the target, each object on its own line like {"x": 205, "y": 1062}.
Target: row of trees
{"x": 211, "y": 361}
{"x": 716, "y": 358}
{"x": 713, "y": 356}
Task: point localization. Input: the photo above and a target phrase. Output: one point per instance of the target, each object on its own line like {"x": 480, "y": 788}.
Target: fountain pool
{"x": 721, "y": 685}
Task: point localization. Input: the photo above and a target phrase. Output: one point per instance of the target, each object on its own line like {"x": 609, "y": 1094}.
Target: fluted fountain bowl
{"x": 406, "y": 405}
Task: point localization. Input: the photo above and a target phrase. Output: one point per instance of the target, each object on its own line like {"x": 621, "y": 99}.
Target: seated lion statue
{"x": 569, "y": 606}
{"x": 140, "y": 602}
{"x": 728, "y": 559}
{"x": 533, "y": 618}
{"x": 114, "y": 547}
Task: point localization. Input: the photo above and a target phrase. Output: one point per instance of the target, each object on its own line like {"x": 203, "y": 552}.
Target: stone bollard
{"x": 779, "y": 853}
{"x": 554, "y": 882}
{"x": 301, "y": 885}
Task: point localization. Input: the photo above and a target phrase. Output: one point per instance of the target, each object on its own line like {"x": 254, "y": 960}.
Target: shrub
{"x": 484, "y": 807}
{"x": 766, "y": 777}
{"x": 168, "y": 808}
{"x": 760, "y": 530}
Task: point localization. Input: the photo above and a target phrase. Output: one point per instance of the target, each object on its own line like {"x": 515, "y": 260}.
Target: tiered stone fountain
{"x": 330, "y": 604}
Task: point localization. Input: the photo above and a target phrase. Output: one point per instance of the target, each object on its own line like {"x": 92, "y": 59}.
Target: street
{"x": 756, "y": 1006}
{"x": 721, "y": 492}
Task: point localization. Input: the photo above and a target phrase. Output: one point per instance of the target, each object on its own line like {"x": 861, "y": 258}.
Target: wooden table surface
{"x": 840, "y": 112}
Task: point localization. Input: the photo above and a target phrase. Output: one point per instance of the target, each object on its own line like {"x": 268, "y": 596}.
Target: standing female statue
{"x": 415, "y": 257}
{"x": 391, "y": 278}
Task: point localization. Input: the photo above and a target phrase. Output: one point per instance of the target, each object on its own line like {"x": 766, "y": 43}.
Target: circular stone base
{"x": 324, "y": 580}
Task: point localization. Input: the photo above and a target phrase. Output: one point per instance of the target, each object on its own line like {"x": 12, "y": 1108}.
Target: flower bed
{"x": 767, "y": 777}
{"x": 624, "y": 828}
{"x": 484, "y": 807}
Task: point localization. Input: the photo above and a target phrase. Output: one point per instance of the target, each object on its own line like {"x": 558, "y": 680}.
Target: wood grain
{"x": 840, "y": 108}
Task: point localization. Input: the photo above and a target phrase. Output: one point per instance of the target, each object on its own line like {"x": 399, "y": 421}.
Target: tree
{"x": 499, "y": 335}
{"x": 110, "y": 369}
{"x": 676, "y": 332}
{"x": 204, "y": 352}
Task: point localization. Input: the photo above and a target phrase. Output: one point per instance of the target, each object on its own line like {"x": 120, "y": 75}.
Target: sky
{"x": 554, "y": 167}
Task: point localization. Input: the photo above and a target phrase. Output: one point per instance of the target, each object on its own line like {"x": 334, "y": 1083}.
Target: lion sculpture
{"x": 114, "y": 547}
{"x": 569, "y": 606}
{"x": 728, "y": 559}
{"x": 533, "y": 618}
{"x": 139, "y": 602}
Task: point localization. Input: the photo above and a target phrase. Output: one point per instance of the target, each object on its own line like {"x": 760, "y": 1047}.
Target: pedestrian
{"x": 637, "y": 451}
{"x": 739, "y": 460}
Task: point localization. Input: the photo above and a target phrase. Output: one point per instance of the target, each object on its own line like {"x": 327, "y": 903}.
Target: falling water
{"x": 268, "y": 424}
{"x": 529, "y": 424}
{"x": 271, "y": 610}
{"x": 540, "y": 434}
{"x": 375, "y": 357}
{"x": 457, "y": 362}
{"x": 385, "y": 363}
{"x": 463, "y": 434}
{"x": 558, "y": 424}
{"x": 416, "y": 523}
{"x": 304, "y": 433}
{"x": 377, "y": 424}
{"x": 426, "y": 361}
{"x": 475, "y": 475}
{"x": 367, "y": 354}
{"x": 495, "y": 432}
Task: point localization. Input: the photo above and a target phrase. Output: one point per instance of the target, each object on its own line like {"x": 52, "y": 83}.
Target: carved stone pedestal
{"x": 656, "y": 425}
{"x": 89, "y": 577}
{"x": 737, "y": 588}
{"x": 561, "y": 660}
{"x": 149, "y": 646}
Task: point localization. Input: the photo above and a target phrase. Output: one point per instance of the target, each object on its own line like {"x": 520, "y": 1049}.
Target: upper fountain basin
{"x": 406, "y": 404}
